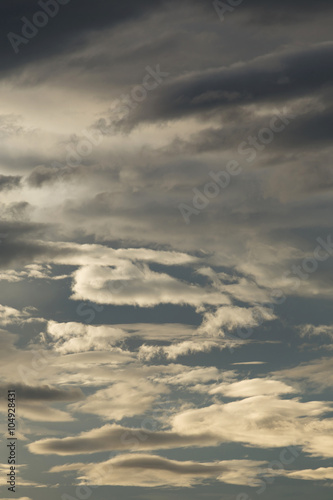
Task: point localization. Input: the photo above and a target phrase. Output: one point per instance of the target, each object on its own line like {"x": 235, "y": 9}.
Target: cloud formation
{"x": 154, "y": 471}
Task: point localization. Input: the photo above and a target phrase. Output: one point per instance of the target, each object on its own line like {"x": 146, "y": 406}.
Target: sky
{"x": 166, "y": 248}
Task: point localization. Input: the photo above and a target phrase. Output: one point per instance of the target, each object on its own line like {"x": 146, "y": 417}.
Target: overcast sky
{"x": 166, "y": 248}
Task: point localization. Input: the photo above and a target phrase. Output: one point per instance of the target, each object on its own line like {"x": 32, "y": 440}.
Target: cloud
{"x": 304, "y": 179}
{"x": 159, "y": 331}
{"x": 320, "y": 474}
{"x": 250, "y": 363}
{"x": 32, "y": 401}
{"x": 71, "y": 27}
{"x": 23, "y": 244}
{"x": 4, "y": 470}
{"x": 177, "y": 349}
{"x": 254, "y": 82}
{"x": 313, "y": 331}
{"x": 130, "y": 284}
{"x": 12, "y": 316}
{"x": 260, "y": 419}
{"x": 116, "y": 437}
{"x": 231, "y": 317}
{"x": 76, "y": 337}
{"x": 42, "y": 413}
{"x": 33, "y": 407}
{"x": 34, "y": 271}
{"x": 76, "y": 254}
{"x": 154, "y": 471}
{"x": 9, "y": 181}
{"x": 35, "y": 394}
{"x": 68, "y": 338}
{"x": 188, "y": 375}
{"x": 316, "y": 373}
{"x": 252, "y": 387}
{"x": 264, "y": 422}
{"x": 271, "y": 13}
{"x": 49, "y": 175}
{"x": 112, "y": 226}
{"x": 122, "y": 399}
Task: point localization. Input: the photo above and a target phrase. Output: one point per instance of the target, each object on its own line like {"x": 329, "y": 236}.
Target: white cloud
{"x": 11, "y": 316}
{"x": 320, "y": 474}
{"x": 262, "y": 421}
{"x": 231, "y": 317}
{"x": 77, "y": 337}
{"x": 252, "y": 387}
{"x": 176, "y": 350}
{"x": 130, "y": 284}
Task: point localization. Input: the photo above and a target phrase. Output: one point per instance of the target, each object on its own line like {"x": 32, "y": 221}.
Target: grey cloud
{"x": 274, "y": 78}
{"x": 73, "y": 24}
{"x": 309, "y": 129}
{"x": 9, "y": 182}
{"x": 300, "y": 180}
{"x": 17, "y": 211}
{"x": 32, "y": 394}
{"x": 154, "y": 471}
{"x": 272, "y": 12}
{"x": 22, "y": 242}
{"x": 116, "y": 437}
{"x": 48, "y": 175}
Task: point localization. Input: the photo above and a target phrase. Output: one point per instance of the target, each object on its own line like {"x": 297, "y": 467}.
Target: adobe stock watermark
{"x": 90, "y": 139}
{"x": 31, "y": 27}
{"x": 255, "y": 144}
{"x": 221, "y": 180}
{"x": 223, "y": 8}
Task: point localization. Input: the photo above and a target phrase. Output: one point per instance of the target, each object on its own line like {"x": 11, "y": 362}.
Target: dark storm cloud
{"x": 309, "y": 129}
{"x": 48, "y": 175}
{"x": 297, "y": 5}
{"x": 272, "y": 11}
{"x": 16, "y": 253}
{"x": 67, "y": 30}
{"x": 26, "y": 393}
{"x": 21, "y": 243}
{"x": 9, "y": 182}
{"x": 272, "y": 79}
{"x": 314, "y": 129}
